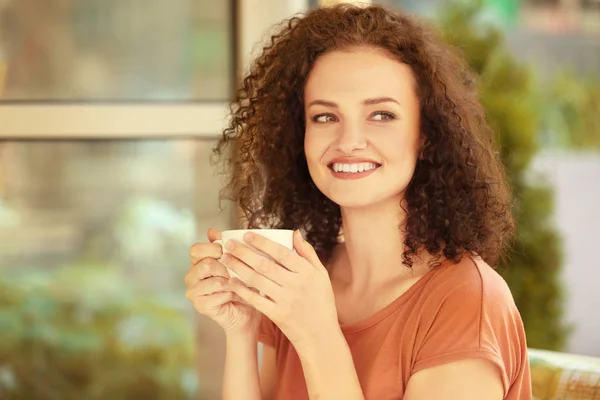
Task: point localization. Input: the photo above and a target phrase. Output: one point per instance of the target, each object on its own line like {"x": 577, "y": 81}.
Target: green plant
{"x": 82, "y": 333}
{"x": 114, "y": 324}
{"x": 509, "y": 94}
{"x": 572, "y": 112}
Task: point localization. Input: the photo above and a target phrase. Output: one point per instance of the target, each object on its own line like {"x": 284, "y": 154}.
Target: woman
{"x": 359, "y": 128}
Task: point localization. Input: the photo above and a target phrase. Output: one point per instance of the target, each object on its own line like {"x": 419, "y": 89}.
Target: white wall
{"x": 576, "y": 179}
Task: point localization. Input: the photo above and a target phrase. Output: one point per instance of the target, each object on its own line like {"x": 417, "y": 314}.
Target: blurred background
{"x": 108, "y": 113}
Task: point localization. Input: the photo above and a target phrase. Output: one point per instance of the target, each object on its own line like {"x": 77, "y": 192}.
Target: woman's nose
{"x": 351, "y": 138}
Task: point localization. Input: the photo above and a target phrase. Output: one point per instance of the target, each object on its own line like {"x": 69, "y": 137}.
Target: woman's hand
{"x": 299, "y": 297}
{"x": 209, "y": 292}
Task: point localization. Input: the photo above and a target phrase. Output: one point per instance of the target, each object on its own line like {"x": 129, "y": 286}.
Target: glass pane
{"x": 94, "y": 240}
{"x": 116, "y": 50}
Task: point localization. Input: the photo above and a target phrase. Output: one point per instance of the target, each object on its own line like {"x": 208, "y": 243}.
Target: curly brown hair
{"x": 458, "y": 199}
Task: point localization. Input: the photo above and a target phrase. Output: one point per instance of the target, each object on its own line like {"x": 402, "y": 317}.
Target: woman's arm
{"x": 241, "y": 378}
{"x": 267, "y": 373}
{"x": 470, "y": 379}
{"x": 329, "y": 369}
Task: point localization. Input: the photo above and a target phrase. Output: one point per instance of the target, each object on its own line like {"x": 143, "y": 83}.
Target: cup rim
{"x": 256, "y": 230}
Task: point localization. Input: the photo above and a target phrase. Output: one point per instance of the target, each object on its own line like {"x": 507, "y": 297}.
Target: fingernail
{"x": 248, "y": 237}
{"x": 229, "y": 245}
{"x": 225, "y": 258}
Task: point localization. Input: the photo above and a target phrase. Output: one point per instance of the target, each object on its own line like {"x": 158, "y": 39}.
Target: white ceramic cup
{"x": 285, "y": 237}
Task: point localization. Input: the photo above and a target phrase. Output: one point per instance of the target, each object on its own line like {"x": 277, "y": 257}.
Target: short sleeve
{"x": 473, "y": 316}
{"x": 268, "y": 332}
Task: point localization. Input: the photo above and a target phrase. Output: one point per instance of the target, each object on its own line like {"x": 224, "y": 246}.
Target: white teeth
{"x": 353, "y": 168}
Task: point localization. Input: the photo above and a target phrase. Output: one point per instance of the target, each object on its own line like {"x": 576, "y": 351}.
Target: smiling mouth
{"x": 353, "y": 168}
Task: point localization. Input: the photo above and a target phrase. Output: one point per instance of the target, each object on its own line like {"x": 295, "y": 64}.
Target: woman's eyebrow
{"x": 367, "y": 102}
{"x": 378, "y": 100}
{"x": 323, "y": 103}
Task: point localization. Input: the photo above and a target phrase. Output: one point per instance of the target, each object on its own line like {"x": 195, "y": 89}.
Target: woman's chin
{"x": 355, "y": 202}
{"x": 365, "y": 199}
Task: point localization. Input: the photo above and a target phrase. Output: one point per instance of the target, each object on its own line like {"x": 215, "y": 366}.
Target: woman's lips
{"x": 353, "y": 175}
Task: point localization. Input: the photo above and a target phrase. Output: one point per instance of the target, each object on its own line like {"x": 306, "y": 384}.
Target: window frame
{"x": 137, "y": 119}
{"x": 112, "y": 121}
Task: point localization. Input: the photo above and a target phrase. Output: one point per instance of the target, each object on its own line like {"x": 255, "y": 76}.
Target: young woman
{"x": 360, "y": 129}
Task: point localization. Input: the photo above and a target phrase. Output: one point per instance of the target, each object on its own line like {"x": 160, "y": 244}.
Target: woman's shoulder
{"x": 469, "y": 312}
{"x": 469, "y": 281}
{"x": 472, "y": 300}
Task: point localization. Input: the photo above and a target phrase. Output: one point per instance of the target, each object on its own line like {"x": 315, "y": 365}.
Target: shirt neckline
{"x": 394, "y": 305}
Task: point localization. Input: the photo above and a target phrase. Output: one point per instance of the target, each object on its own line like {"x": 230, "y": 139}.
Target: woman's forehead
{"x": 364, "y": 73}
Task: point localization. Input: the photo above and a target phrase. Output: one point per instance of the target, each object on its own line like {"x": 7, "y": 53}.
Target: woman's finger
{"x": 213, "y": 234}
{"x": 207, "y": 286}
{"x": 208, "y": 304}
{"x": 200, "y": 251}
{"x": 306, "y": 251}
{"x": 253, "y": 278}
{"x": 276, "y": 251}
{"x": 259, "y": 263}
{"x": 206, "y": 268}
{"x": 252, "y": 297}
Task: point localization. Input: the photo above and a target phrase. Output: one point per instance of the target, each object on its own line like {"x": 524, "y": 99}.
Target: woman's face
{"x": 362, "y": 126}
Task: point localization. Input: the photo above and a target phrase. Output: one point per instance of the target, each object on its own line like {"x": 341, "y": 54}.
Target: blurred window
{"x": 94, "y": 240}
{"x": 116, "y": 50}
{"x": 99, "y": 203}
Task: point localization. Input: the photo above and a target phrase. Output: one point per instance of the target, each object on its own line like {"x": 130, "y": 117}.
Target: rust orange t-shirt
{"x": 454, "y": 312}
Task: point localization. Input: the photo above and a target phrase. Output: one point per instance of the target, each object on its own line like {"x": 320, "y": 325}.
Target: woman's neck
{"x": 373, "y": 245}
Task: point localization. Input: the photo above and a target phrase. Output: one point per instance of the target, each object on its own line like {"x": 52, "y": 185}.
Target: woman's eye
{"x": 324, "y": 118}
{"x": 383, "y": 116}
